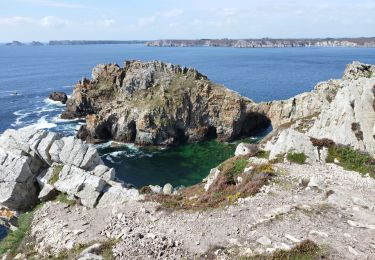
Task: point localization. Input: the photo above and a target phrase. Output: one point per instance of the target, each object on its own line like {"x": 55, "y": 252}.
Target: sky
{"x": 44, "y": 20}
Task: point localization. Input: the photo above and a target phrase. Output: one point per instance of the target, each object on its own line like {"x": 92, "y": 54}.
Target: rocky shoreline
{"x": 307, "y": 189}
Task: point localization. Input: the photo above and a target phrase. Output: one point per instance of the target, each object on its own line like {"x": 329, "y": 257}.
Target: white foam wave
{"x": 42, "y": 123}
{"x": 52, "y": 102}
{"x": 58, "y": 119}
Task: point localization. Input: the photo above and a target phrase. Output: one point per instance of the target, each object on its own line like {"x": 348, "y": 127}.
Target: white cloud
{"x": 145, "y": 21}
{"x": 53, "y": 21}
{"x": 171, "y": 13}
{"x": 52, "y": 3}
{"x": 109, "y": 22}
{"x": 15, "y": 20}
{"x": 149, "y": 20}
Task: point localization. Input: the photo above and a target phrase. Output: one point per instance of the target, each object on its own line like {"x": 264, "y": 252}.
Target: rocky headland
{"x": 155, "y": 103}
{"x": 306, "y": 191}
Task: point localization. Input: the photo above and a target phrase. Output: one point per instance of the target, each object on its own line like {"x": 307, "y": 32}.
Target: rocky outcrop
{"x": 58, "y": 96}
{"x": 36, "y": 165}
{"x": 342, "y": 111}
{"x": 155, "y": 103}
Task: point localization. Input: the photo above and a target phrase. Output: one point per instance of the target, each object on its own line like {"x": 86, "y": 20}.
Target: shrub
{"x": 299, "y": 158}
{"x": 63, "y": 198}
{"x": 305, "y": 250}
{"x": 263, "y": 154}
{"x": 351, "y": 159}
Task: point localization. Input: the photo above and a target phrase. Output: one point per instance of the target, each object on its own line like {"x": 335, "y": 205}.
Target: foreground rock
{"x": 58, "y": 96}
{"x": 155, "y": 103}
{"x": 36, "y": 165}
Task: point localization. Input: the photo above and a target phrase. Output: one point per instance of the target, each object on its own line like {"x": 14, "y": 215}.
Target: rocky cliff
{"x": 36, "y": 165}
{"x": 155, "y": 103}
{"x": 342, "y": 111}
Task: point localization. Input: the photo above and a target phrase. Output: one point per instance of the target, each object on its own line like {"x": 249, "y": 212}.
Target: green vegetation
{"x": 230, "y": 185}
{"x": 299, "y": 158}
{"x": 14, "y": 239}
{"x": 263, "y": 154}
{"x": 55, "y": 173}
{"x": 105, "y": 250}
{"x": 63, "y": 198}
{"x": 233, "y": 167}
{"x": 306, "y": 250}
{"x": 351, "y": 159}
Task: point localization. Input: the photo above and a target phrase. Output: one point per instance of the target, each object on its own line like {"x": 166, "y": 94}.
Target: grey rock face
{"x": 28, "y": 161}
{"x": 246, "y": 149}
{"x": 81, "y": 184}
{"x": 118, "y": 195}
{"x": 18, "y": 189}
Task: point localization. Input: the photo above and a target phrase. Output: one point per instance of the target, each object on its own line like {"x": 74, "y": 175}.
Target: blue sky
{"x": 43, "y": 20}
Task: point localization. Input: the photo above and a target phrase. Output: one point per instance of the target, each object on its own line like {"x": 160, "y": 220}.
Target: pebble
{"x": 265, "y": 241}
{"x": 292, "y": 238}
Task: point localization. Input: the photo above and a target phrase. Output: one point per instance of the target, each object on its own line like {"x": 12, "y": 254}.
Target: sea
{"x": 29, "y": 73}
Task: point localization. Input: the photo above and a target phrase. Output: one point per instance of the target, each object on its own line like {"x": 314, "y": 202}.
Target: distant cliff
{"x": 68, "y": 42}
{"x": 266, "y": 43}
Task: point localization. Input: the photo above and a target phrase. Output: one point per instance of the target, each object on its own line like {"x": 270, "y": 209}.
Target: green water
{"x": 182, "y": 165}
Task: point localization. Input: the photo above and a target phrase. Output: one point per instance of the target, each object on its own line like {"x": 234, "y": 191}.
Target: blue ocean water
{"x": 260, "y": 74}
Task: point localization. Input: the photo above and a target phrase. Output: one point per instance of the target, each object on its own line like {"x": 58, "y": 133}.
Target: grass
{"x": 299, "y": 158}
{"x": 306, "y": 250}
{"x": 63, "y": 198}
{"x": 263, "y": 154}
{"x": 55, "y": 173}
{"x": 351, "y": 159}
{"x": 13, "y": 240}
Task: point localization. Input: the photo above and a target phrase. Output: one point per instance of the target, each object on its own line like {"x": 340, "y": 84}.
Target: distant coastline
{"x": 267, "y": 43}
{"x": 363, "y": 42}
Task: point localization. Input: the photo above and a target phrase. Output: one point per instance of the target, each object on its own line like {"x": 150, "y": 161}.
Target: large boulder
{"x": 291, "y": 141}
{"x": 72, "y": 151}
{"x": 58, "y": 96}
{"x": 117, "y": 194}
{"x": 18, "y": 189}
{"x": 81, "y": 184}
{"x": 33, "y": 160}
{"x": 155, "y": 103}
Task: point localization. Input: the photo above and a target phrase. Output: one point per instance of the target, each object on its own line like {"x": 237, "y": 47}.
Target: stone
{"x": 104, "y": 172}
{"x": 58, "y": 96}
{"x": 45, "y": 145}
{"x": 316, "y": 183}
{"x": 93, "y": 249}
{"x": 118, "y": 195}
{"x": 73, "y": 151}
{"x": 292, "y": 141}
{"x": 168, "y": 189}
{"x": 81, "y": 184}
{"x": 292, "y": 238}
{"x": 17, "y": 181}
{"x": 90, "y": 256}
{"x": 265, "y": 241}
{"x": 156, "y": 189}
{"x": 246, "y": 149}
{"x": 318, "y": 233}
{"x": 210, "y": 179}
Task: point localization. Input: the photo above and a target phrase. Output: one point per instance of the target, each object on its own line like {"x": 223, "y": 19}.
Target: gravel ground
{"x": 324, "y": 203}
